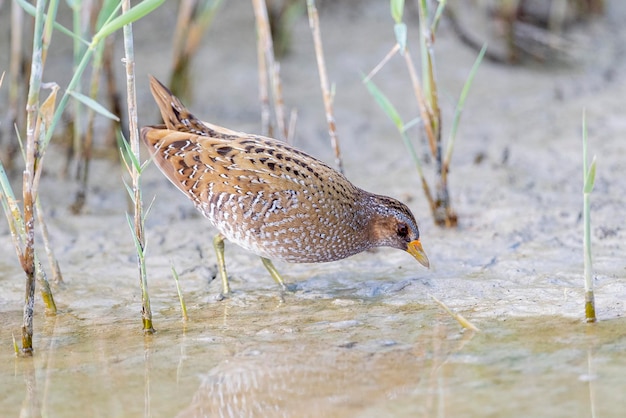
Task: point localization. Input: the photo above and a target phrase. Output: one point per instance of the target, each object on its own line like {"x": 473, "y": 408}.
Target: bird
{"x": 269, "y": 197}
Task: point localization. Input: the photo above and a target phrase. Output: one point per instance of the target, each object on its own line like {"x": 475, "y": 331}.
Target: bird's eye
{"x": 403, "y": 230}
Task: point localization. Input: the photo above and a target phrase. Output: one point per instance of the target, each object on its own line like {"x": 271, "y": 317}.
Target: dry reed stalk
{"x": 265, "y": 42}
{"x": 293, "y": 120}
{"x": 426, "y": 113}
{"x": 84, "y": 159}
{"x": 382, "y": 63}
{"x": 86, "y": 151}
{"x": 314, "y": 23}
{"x": 457, "y": 316}
{"x": 180, "y": 60}
{"x": 264, "y": 95}
{"x": 146, "y": 311}
{"x": 194, "y": 17}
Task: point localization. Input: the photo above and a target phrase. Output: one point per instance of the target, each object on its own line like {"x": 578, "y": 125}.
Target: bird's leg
{"x": 273, "y": 272}
{"x": 218, "y": 244}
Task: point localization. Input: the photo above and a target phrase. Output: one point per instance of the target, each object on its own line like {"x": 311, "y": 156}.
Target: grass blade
{"x": 459, "y": 106}
{"x": 397, "y": 10}
{"x": 385, "y": 104}
{"x": 437, "y": 18}
{"x": 30, "y": 9}
{"x": 133, "y": 14}
{"x": 128, "y": 154}
{"x": 92, "y": 104}
{"x": 590, "y": 179}
{"x": 183, "y": 306}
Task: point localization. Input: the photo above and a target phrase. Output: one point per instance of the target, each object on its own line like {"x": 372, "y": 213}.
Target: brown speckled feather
{"x": 267, "y": 196}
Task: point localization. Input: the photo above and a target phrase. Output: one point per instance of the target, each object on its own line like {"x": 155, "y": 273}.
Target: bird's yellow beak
{"x": 415, "y": 249}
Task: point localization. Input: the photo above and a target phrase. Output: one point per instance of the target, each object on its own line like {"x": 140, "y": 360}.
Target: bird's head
{"x": 393, "y": 225}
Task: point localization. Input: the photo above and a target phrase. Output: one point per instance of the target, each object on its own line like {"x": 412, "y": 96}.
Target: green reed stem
{"x": 589, "y": 175}
{"x": 183, "y": 305}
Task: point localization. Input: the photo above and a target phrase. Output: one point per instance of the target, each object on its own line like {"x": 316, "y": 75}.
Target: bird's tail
{"x": 173, "y": 111}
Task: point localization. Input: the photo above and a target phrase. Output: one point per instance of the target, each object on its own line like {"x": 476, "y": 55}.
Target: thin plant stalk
{"x": 86, "y": 147}
{"x": 183, "y": 305}
{"x": 44, "y": 289}
{"x": 314, "y": 24}
{"x": 180, "y": 60}
{"x": 277, "y": 94}
{"x": 146, "y": 311}
{"x": 589, "y": 175}
{"x": 459, "y": 110}
{"x": 293, "y": 120}
{"x": 16, "y": 347}
{"x": 85, "y": 152}
{"x": 45, "y": 112}
{"x": 264, "y": 95}
{"x": 113, "y": 94}
{"x": 194, "y": 17}
{"x": 57, "y": 277}
{"x": 457, "y": 316}
{"x": 81, "y": 13}
{"x": 425, "y": 111}
{"x": 381, "y": 64}
{"x": 427, "y": 38}
{"x": 13, "y": 213}
{"x": 272, "y": 67}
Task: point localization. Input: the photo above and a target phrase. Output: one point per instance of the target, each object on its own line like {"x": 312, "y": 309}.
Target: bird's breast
{"x": 286, "y": 225}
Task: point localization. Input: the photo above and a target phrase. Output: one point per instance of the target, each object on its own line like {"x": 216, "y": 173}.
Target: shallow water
{"x": 360, "y": 337}
{"x": 259, "y": 355}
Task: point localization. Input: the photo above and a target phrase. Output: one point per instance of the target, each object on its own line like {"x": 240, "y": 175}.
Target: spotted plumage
{"x": 270, "y": 198}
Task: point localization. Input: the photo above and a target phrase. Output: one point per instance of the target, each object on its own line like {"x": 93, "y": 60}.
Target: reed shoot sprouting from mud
{"x": 427, "y": 97}
{"x": 589, "y": 177}
{"x": 183, "y": 305}
{"x": 135, "y": 169}
{"x": 269, "y": 74}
